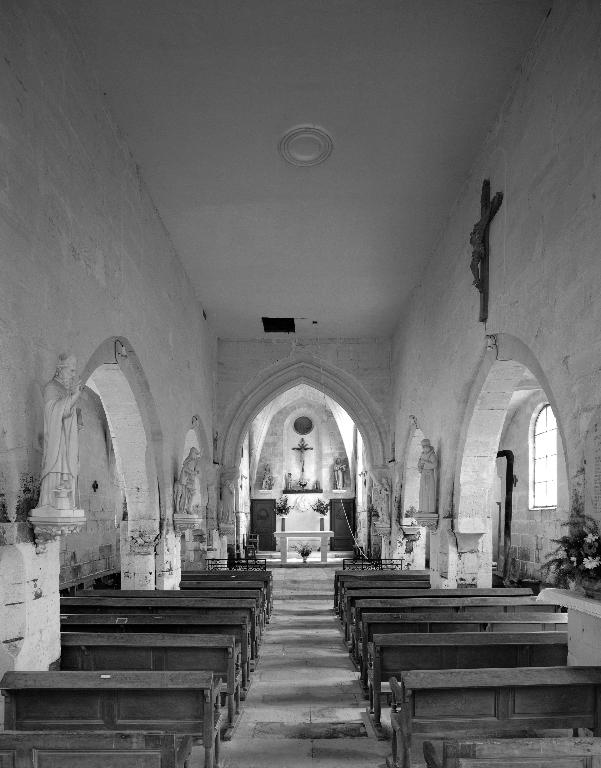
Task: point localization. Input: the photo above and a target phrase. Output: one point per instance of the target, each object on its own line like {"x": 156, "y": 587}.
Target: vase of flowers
{"x": 577, "y": 557}
{"x": 304, "y": 550}
{"x": 281, "y": 509}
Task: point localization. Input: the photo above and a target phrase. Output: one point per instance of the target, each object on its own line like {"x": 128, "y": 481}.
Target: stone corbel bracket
{"x": 468, "y": 541}
{"x": 183, "y": 523}
{"x": 429, "y": 521}
{"x": 49, "y": 527}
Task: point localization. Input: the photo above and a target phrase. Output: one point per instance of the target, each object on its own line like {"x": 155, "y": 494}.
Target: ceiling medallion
{"x": 306, "y": 145}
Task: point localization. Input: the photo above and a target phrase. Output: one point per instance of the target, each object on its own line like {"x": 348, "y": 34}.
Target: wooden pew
{"x": 89, "y": 749}
{"x": 164, "y": 605}
{"x": 237, "y": 627}
{"x": 390, "y": 655}
{"x": 265, "y": 577}
{"x": 493, "y": 702}
{"x": 581, "y": 752}
{"x": 342, "y": 577}
{"x": 441, "y": 604}
{"x": 351, "y": 596}
{"x": 487, "y": 621}
{"x": 244, "y": 586}
{"x": 159, "y": 652}
{"x": 230, "y": 594}
{"x": 185, "y": 703}
{"x": 376, "y": 584}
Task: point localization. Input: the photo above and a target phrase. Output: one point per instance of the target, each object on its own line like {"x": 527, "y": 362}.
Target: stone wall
{"x": 544, "y": 153}
{"x": 85, "y": 258}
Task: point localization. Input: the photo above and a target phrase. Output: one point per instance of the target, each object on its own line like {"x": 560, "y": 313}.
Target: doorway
{"x": 343, "y": 524}
{"x": 262, "y": 522}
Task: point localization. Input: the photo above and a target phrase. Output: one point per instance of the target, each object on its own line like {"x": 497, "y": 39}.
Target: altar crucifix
{"x": 480, "y": 245}
{"x": 302, "y": 448}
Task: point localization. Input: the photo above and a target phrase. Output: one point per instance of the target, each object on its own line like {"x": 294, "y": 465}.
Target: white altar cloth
{"x": 323, "y": 536}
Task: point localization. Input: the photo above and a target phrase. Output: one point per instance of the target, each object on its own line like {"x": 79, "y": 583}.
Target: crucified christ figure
{"x": 478, "y": 235}
{"x": 302, "y": 448}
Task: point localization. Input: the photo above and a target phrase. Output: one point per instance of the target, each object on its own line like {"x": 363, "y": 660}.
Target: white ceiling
{"x": 204, "y": 90}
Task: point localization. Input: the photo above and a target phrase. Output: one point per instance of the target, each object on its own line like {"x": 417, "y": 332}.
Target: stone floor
{"x": 304, "y": 707}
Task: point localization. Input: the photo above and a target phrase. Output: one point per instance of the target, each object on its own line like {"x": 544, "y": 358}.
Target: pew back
{"x": 582, "y": 752}
{"x": 90, "y": 749}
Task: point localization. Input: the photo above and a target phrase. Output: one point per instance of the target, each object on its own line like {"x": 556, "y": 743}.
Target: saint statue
{"x": 339, "y": 467}
{"x": 267, "y": 483}
{"x": 426, "y": 465}
{"x": 60, "y": 463}
{"x": 185, "y": 485}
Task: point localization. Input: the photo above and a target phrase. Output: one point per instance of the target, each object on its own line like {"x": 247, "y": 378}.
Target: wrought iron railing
{"x": 373, "y": 564}
{"x": 236, "y": 565}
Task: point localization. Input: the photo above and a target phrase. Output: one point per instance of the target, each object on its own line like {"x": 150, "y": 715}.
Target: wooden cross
{"x": 480, "y": 245}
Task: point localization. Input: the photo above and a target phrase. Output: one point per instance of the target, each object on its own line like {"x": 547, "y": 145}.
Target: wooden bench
{"x": 441, "y": 605}
{"x": 159, "y": 652}
{"x": 390, "y": 655}
{"x": 164, "y": 606}
{"x": 487, "y": 621}
{"x": 581, "y": 752}
{"x": 342, "y": 577}
{"x": 89, "y": 749}
{"x": 226, "y": 624}
{"x": 243, "y": 586}
{"x": 185, "y": 703}
{"x": 231, "y": 594}
{"x": 369, "y": 586}
{"x": 492, "y": 702}
{"x": 265, "y": 577}
{"x": 351, "y": 596}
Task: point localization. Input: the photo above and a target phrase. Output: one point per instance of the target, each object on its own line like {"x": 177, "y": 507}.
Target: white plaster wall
{"x": 84, "y": 257}
{"x": 544, "y": 153}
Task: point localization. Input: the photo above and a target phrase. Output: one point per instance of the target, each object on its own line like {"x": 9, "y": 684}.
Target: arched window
{"x": 544, "y": 459}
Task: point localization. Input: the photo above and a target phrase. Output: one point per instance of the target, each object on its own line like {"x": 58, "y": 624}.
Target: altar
{"x": 283, "y": 538}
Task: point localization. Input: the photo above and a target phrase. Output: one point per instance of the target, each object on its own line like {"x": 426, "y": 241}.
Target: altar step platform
{"x": 296, "y": 561}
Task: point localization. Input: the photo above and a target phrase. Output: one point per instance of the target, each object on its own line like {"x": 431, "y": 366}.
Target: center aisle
{"x": 305, "y": 706}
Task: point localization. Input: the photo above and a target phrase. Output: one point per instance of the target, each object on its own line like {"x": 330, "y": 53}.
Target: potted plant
{"x": 321, "y": 507}
{"x": 281, "y": 506}
{"x": 577, "y": 557}
{"x": 304, "y": 550}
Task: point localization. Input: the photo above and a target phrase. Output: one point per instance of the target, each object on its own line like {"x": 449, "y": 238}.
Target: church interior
{"x": 300, "y": 383}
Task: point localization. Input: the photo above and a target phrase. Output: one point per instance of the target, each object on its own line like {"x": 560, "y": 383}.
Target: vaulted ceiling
{"x": 204, "y": 90}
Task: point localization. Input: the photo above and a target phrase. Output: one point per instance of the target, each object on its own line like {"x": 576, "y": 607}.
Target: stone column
{"x": 229, "y": 480}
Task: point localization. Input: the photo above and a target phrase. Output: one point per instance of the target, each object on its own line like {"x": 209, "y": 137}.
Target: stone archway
{"x": 115, "y": 374}
{"x": 507, "y": 361}
{"x": 282, "y": 376}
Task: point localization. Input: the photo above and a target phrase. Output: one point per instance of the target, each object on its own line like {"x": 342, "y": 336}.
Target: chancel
{"x": 300, "y": 406}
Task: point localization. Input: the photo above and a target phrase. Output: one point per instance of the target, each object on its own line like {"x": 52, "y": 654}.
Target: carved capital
{"x": 425, "y": 520}
{"x": 184, "y": 523}
{"x": 143, "y": 542}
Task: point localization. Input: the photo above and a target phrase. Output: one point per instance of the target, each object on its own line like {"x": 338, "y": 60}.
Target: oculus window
{"x": 544, "y": 459}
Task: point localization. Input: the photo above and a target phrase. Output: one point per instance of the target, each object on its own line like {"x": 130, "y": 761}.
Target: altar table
{"x": 323, "y": 536}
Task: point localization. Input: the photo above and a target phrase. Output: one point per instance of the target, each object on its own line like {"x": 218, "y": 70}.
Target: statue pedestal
{"x": 49, "y": 523}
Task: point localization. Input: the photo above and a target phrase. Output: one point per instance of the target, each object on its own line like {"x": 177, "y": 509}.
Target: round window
{"x": 303, "y": 425}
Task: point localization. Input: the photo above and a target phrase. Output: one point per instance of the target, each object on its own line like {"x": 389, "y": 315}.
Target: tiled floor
{"x": 305, "y": 708}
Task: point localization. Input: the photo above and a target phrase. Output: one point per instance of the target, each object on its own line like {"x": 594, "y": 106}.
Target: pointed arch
{"x": 308, "y": 369}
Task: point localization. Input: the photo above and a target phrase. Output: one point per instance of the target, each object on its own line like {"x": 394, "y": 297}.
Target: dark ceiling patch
{"x": 278, "y": 324}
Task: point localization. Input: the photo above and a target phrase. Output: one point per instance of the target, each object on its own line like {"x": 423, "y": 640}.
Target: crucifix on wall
{"x": 302, "y": 448}
{"x": 480, "y": 245}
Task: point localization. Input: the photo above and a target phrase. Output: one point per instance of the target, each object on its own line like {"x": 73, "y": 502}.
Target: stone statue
{"x": 185, "y": 485}
{"x": 339, "y": 467}
{"x": 60, "y": 463}
{"x": 426, "y": 465}
{"x": 267, "y": 483}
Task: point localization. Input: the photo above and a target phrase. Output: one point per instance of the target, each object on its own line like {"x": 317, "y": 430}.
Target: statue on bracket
{"x": 267, "y": 483}
{"x": 60, "y": 463}
{"x": 427, "y": 465}
{"x": 185, "y": 486}
{"x": 339, "y": 468}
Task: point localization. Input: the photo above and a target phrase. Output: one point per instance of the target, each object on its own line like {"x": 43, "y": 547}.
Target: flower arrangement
{"x": 320, "y": 506}
{"x": 281, "y": 506}
{"x": 304, "y": 549}
{"x": 578, "y": 554}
